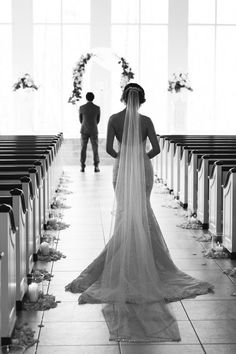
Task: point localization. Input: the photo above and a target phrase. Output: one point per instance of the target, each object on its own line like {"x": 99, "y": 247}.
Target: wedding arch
{"x": 79, "y": 70}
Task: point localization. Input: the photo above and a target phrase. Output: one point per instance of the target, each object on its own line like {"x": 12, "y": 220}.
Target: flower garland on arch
{"x": 79, "y": 70}
{"x": 77, "y": 75}
{"x": 127, "y": 73}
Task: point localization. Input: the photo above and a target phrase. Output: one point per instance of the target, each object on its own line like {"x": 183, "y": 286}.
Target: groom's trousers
{"x": 84, "y": 142}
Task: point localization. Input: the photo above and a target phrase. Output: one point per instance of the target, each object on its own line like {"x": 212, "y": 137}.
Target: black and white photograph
{"x": 118, "y": 176}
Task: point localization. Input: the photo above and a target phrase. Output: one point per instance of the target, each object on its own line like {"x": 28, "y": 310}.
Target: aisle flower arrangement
{"x": 24, "y": 82}
{"x": 216, "y": 252}
{"x": 45, "y": 302}
{"x": 178, "y": 82}
{"x": 23, "y": 335}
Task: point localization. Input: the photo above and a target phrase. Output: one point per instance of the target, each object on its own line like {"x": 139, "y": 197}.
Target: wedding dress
{"x": 134, "y": 276}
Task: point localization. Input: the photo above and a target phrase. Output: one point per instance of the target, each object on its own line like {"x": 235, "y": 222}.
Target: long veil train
{"x": 134, "y": 276}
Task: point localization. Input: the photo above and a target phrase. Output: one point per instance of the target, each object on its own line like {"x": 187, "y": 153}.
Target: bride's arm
{"x": 110, "y": 139}
{"x": 153, "y": 139}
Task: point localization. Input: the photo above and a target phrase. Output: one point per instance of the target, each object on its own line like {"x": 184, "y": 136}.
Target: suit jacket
{"x": 89, "y": 116}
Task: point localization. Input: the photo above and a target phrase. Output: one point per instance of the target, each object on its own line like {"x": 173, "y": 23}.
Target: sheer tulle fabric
{"x": 134, "y": 275}
{"x": 130, "y": 282}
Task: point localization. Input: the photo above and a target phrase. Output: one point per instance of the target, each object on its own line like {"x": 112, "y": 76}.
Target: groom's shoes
{"x": 96, "y": 169}
{"x": 82, "y": 169}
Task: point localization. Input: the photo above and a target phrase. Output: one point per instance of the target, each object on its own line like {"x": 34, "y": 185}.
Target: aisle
{"x": 204, "y": 322}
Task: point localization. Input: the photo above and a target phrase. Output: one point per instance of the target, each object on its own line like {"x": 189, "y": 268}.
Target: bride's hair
{"x": 125, "y": 94}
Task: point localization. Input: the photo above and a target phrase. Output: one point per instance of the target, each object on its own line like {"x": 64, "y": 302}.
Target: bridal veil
{"x": 135, "y": 309}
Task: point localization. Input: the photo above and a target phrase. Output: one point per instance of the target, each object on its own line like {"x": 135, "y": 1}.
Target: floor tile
{"x": 196, "y": 264}
{"x": 63, "y": 278}
{"x": 72, "y": 265}
{"x": 61, "y": 295}
{"x": 75, "y": 333}
{"x": 217, "y": 331}
{"x": 80, "y": 349}
{"x": 72, "y": 312}
{"x": 160, "y": 349}
{"x": 211, "y": 310}
{"x": 220, "y": 349}
{"x": 178, "y": 311}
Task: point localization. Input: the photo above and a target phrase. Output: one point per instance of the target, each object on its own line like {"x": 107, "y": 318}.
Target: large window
{"x": 212, "y": 57}
{"x": 61, "y": 36}
{"x": 5, "y": 67}
{"x": 140, "y": 34}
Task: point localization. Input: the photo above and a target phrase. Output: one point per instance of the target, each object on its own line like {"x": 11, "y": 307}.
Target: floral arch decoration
{"x": 79, "y": 70}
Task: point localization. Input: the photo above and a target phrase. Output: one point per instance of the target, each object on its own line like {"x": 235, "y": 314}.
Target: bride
{"x": 134, "y": 276}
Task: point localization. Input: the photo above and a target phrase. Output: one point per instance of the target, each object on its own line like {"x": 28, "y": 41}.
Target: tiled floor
{"x": 207, "y": 323}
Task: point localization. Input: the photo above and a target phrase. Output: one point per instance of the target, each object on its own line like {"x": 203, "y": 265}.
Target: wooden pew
{"x": 17, "y": 202}
{"x": 26, "y": 187}
{"x": 8, "y": 272}
{"x": 165, "y": 146}
{"x": 176, "y": 148}
{"x": 204, "y": 171}
{"x": 30, "y": 155}
{"x": 47, "y": 141}
{"x": 217, "y": 178}
{"x": 32, "y": 208}
{"x": 53, "y": 162}
{"x": 42, "y": 168}
{"x": 188, "y": 173}
{"x": 229, "y": 212}
{"x": 38, "y": 193}
{"x": 195, "y": 157}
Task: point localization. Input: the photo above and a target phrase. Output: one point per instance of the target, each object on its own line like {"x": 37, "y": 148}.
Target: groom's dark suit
{"x": 89, "y": 115}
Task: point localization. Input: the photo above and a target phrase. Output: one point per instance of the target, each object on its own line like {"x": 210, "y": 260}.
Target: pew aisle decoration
{"x": 12, "y": 349}
{"x": 55, "y": 215}
{"x": 23, "y": 335}
{"x": 50, "y": 238}
{"x": 33, "y": 292}
{"x": 44, "y": 248}
{"x": 171, "y": 203}
{"x": 204, "y": 238}
{"x": 216, "y": 252}
{"x": 44, "y": 302}
{"x": 59, "y": 204}
{"x": 41, "y": 275}
{"x": 160, "y": 188}
{"x": 47, "y": 253}
{"x": 191, "y": 223}
{"x": 53, "y": 255}
{"x": 36, "y": 299}
{"x": 56, "y": 224}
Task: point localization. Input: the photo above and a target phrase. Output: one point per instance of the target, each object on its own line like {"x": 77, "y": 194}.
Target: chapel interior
{"x": 55, "y": 219}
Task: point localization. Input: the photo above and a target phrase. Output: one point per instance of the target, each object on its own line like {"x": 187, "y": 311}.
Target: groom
{"x": 89, "y": 116}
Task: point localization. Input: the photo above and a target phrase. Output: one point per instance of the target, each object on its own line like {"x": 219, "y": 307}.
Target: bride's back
{"x": 117, "y": 121}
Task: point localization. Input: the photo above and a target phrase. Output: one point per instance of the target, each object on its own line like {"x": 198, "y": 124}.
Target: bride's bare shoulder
{"x": 145, "y": 119}
{"x": 117, "y": 117}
